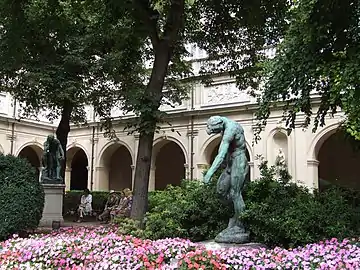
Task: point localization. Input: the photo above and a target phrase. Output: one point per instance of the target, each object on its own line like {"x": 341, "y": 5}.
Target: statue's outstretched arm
{"x": 220, "y": 157}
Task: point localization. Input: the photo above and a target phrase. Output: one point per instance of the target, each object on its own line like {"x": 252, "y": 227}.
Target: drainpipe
{"x": 13, "y": 130}
{"x": 192, "y": 136}
{"x": 92, "y": 158}
{"x": 92, "y": 154}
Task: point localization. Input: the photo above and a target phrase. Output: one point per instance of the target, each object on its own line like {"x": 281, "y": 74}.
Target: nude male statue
{"x": 232, "y": 152}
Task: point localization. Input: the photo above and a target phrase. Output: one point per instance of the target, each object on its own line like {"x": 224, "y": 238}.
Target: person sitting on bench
{"x": 85, "y": 207}
{"x": 124, "y": 207}
{"x": 111, "y": 203}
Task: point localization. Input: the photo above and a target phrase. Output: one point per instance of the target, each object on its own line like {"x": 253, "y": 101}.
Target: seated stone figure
{"x": 124, "y": 207}
{"x": 85, "y": 207}
{"x": 111, "y": 203}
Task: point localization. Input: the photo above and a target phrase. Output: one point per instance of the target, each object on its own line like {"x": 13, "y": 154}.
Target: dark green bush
{"x": 72, "y": 200}
{"x": 21, "y": 196}
{"x": 191, "y": 211}
{"x": 285, "y": 214}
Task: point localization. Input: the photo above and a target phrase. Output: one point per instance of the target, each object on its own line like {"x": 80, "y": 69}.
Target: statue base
{"x": 47, "y": 180}
{"x": 233, "y": 235}
{"x": 213, "y": 245}
{"x": 54, "y": 194}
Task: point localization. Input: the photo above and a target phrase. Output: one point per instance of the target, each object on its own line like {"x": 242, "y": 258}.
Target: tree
{"x": 233, "y": 33}
{"x": 320, "y": 55}
{"x": 49, "y": 56}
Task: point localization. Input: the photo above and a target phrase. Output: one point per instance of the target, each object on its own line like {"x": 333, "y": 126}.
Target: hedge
{"x": 21, "y": 196}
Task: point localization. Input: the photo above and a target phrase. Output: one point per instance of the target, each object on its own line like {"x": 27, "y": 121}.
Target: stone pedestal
{"x": 213, "y": 245}
{"x": 53, "y": 204}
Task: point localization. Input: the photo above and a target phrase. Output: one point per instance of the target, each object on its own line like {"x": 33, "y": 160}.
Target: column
{"x": 260, "y": 149}
{"x": 67, "y": 178}
{"x": 251, "y": 168}
{"x": 313, "y": 174}
{"x": 101, "y": 182}
{"x": 152, "y": 178}
{"x": 89, "y": 186}
{"x": 201, "y": 167}
{"x": 133, "y": 176}
{"x": 187, "y": 171}
{"x": 40, "y": 172}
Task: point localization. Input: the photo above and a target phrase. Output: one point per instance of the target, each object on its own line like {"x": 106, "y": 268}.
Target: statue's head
{"x": 215, "y": 125}
{"x": 51, "y": 138}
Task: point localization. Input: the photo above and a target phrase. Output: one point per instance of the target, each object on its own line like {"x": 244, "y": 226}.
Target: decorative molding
{"x": 227, "y": 93}
{"x": 194, "y": 133}
{"x": 313, "y": 162}
{"x": 137, "y": 136}
{"x": 202, "y": 166}
{"x": 95, "y": 140}
{"x": 11, "y": 137}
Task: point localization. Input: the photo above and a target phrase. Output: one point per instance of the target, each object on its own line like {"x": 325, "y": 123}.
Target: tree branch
{"x": 174, "y": 21}
{"x": 150, "y": 19}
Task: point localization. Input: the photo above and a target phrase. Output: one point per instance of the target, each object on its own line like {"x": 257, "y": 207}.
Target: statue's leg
{"x": 239, "y": 170}
{"x": 58, "y": 170}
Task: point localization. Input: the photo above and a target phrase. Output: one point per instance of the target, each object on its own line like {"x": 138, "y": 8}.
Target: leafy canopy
{"x": 233, "y": 34}
{"x": 319, "y": 56}
{"x": 50, "y": 52}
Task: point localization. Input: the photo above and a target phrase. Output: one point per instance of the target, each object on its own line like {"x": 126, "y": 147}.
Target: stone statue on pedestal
{"x": 52, "y": 158}
{"x": 280, "y": 158}
{"x": 232, "y": 152}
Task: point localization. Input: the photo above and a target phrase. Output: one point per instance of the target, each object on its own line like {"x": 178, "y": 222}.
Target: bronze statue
{"x": 232, "y": 152}
{"x": 52, "y": 158}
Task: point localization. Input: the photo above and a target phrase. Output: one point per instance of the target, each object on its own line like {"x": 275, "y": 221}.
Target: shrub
{"x": 279, "y": 212}
{"x": 72, "y": 200}
{"x": 21, "y": 196}
{"x": 191, "y": 211}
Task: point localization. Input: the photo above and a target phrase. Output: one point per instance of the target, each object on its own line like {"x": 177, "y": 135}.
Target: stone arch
{"x": 169, "y": 158}
{"x": 161, "y": 141}
{"x": 338, "y": 161}
{"x": 1, "y": 150}
{"x": 319, "y": 139}
{"x": 108, "y": 146}
{"x": 115, "y": 170}
{"x": 213, "y": 142}
{"x": 76, "y": 173}
{"x": 32, "y": 152}
{"x": 211, "y": 148}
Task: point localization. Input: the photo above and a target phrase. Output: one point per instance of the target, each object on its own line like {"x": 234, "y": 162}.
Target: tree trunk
{"x": 163, "y": 50}
{"x": 142, "y": 173}
{"x": 63, "y": 130}
{"x": 143, "y": 161}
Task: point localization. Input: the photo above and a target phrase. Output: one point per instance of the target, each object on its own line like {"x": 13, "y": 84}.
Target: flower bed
{"x": 102, "y": 248}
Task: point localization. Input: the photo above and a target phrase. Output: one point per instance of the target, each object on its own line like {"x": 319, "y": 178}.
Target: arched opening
{"x": 79, "y": 169}
{"x": 169, "y": 162}
{"x": 32, "y": 154}
{"x": 117, "y": 163}
{"x": 213, "y": 149}
{"x": 338, "y": 162}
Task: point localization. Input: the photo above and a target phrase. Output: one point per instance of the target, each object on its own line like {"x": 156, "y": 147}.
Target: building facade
{"x": 183, "y": 150}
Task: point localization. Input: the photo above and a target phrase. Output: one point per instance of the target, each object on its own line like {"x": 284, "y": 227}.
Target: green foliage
{"x": 319, "y": 56}
{"x": 190, "y": 211}
{"x": 72, "y": 201}
{"x": 128, "y": 226}
{"x": 21, "y": 196}
{"x": 283, "y": 213}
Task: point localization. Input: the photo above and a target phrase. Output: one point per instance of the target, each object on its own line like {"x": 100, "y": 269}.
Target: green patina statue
{"x": 51, "y": 161}
{"x": 232, "y": 153}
